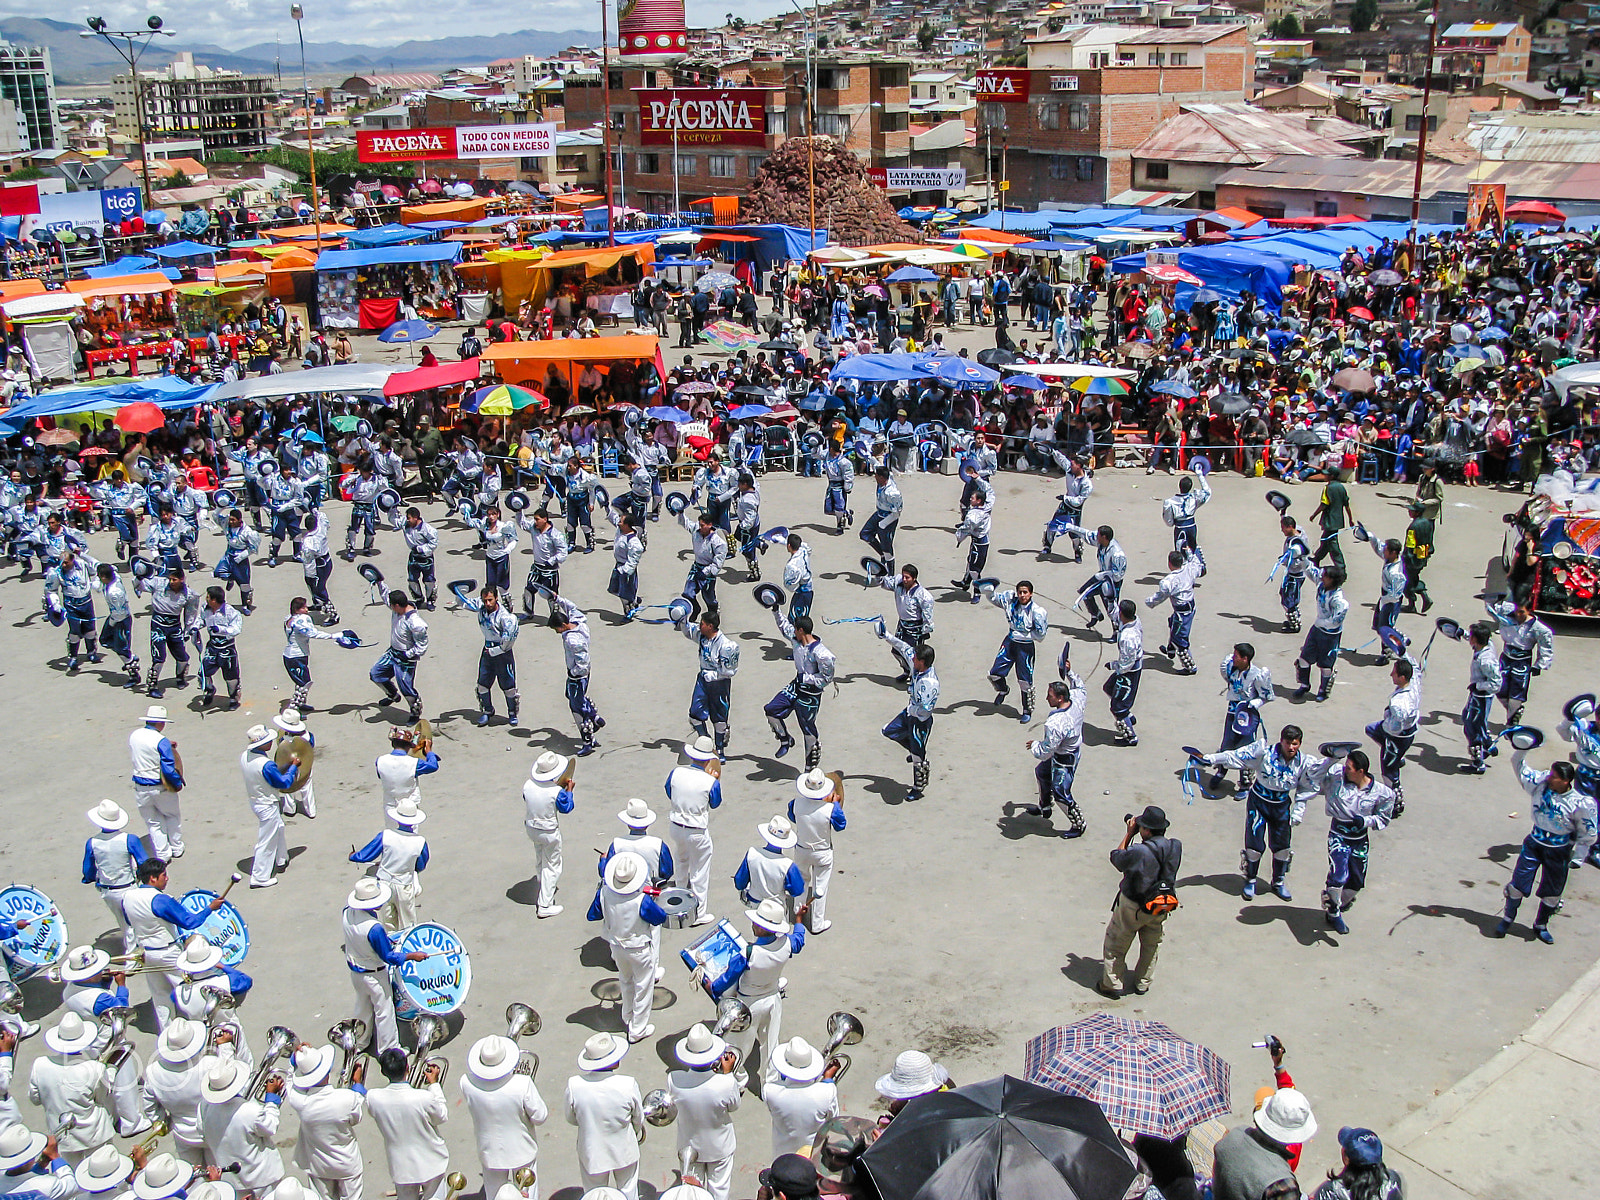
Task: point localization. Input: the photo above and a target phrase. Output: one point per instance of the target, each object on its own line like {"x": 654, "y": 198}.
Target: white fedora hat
{"x": 549, "y": 767}
{"x": 602, "y": 1052}
{"x": 637, "y": 814}
{"x": 212, "y": 1189}
{"x": 181, "y": 1041}
{"x": 198, "y": 955}
{"x": 493, "y": 1057}
{"x": 156, "y": 712}
{"x": 224, "y": 1079}
{"x": 685, "y": 1191}
{"x": 1286, "y": 1117}
{"x": 290, "y": 721}
{"x": 626, "y": 873}
{"x": 798, "y": 1059}
{"x": 258, "y": 735}
{"x": 103, "y": 1170}
{"x": 108, "y": 814}
{"x": 702, "y": 749}
{"x": 72, "y": 1035}
{"x": 778, "y": 832}
{"x": 914, "y": 1074}
{"x": 19, "y": 1146}
{"x": 368, "y": 894}
{"x": 162, "y": 1176}
{"x": 604, "y": 1193}
{"x": 769, "y": 915}
{"x": 814, "y": 785}
{"x": 699, "y": 1047}
{"x": 84, "y": 962}
{"x": 312, "y": 1065}
{"x": 289, "y": 1188}
{"x": 406, "y": 811}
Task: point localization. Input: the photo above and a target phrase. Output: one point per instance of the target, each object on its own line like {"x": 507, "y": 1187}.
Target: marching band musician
{"x": 1564, "y": 829}
{"x": 694, "y": 788}
{"x": 234, "y": 566}
{"x": 402, "y": 855}
{"x": 775, "y": 940}
{"x": 1179, "y": 512}
{"x": 579, "y": 485}
{"x": 879, "y": 529}
{"x": 1106, "y": 583}
{"x": 813, "y": 671}
{"x": 326, "y": 1148}
{"x": 1294, "y": 558}
{"x": 298, "y": 633}
{"x": 1122, "y": 684}
{"x": 33, "y": 1166}
{"x": 370, "y": 952}
{"x": 713, "y": 683}
{"x": 10, "y": 1114}
{"x": 236, "y": 1127}
{"x": 422, "y": 543}
{"x": 303, "y": 798}
{"x": 203, "y": 973}
{"x": 801, "y": 1099}
{"x": 1276, "y": 803}
{"x": 549, "y": 552}
{"x": 710, "y": 553}
{"x": 411, "y": 1120}
{"x": 1397, "y": 728}
{"x": 912, "y": 726}
{"x": 817, "y": 812}
{"x": 396, "y": 670}
{"x": 497, "y": 661}
{"x": 363, "y": 492}
{"x": 841, "y": 477}
{"x": 287, "y": 499}
{"x": 545, "y": 797}
{"x": 398, "y": 771}
{"x": 69, "y": 584}
{"x": 1075, "y": 490}
{"x": 1177, "y": 589}
{"x": 154, "y": 918}
{"x": 765, "y": 872}
{"x": 913, "y": 608}
{"x": 172, "y": 1084}
{"x": 506, "y": 1111}
{"x": 222, "y": 623}
{"x": 1058, "y": 749}
{"x": 977, "y": 514}
{"x": 627, "y": 550}
{"x": 111, "y": 859}
{"x": 1357, "y": 804}
{"x": 706, "y": 1093}
{"x": 1027, "y": 623}
{"x": 499, "y": 540}
{"x": 638, "y": 816}
{"x": 1578, "y": 726}
{"x": 73, "y": 1088}
{"x": 316, "y": 564}
{"x": 609, "y": 1113}
{"x": 157, "y": 781}
{"x": 104, "y": 1174}
{"x": 1527, "y": 648}
{"x": 572, "y": 624}
{"x": 1321, "y": 647}
{"x": 1483, "y": 682}
{"x": 1391, "y": 590}
{"x": 1248, "y": 687}
{"x": 797, "y": 577}
{"x": 264, "y": 783}
{"x": 116, "y": 634}
{"x": 174, "y": 613}
{"x": 630, "y": 916}
{"x": 89, "y": 987}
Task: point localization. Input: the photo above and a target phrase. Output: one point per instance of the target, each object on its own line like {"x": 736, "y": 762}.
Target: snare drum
{"x": 722, "y": 953}
{"x": 679, "y": 905}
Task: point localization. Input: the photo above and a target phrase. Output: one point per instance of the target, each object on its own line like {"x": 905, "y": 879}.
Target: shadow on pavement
{"x": 1307, "y": 924}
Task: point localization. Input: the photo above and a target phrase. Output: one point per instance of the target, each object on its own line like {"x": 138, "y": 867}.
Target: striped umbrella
{"x": 1144, "y": 1076}
{"x": 1100, "y": 385}
{"x": 501, "y": 400}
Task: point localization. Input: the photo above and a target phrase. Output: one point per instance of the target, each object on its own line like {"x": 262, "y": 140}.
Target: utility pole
{"x": 1422, "y": 129}
{"x": 134, "y": 42}
{"x": 605, "y": 124}
{"x": 298, "y": 14}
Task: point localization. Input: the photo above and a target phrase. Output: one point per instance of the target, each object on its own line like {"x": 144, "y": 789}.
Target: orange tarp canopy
{"x": 444, "y": 210}
{"x": 238, "y": 271}
{"x": 147, "y": 283}
{"x": 15, "y": 289}
{"x": 295, "y": 260}
{"x": 1239, "y": 214}
{"x": 329, "y": 231}
{"x": 525, "y": 362}
{"x": 598, "y": 260}
{"x": 578, "y": 199}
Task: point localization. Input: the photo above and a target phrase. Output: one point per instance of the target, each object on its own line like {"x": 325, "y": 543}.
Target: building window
{"x": 649, "y": 164}
{"x": 1271, "y": 211}
{"x": 1050, "y": 116}
{"x": 778, "y": 121}
{"x": 895, "y": 122}
{"x": 1414, "y": 123}
{"x": 835, "y": 79}
{"x": 1155, "y": 59}
{"x": 1085, "y": 169}
{"x": 618, "y": 162}
{"x": 566, "y": 162}
{"x": 1327, "y": 208}
{"x": 688, "y": 164}
{"x": 722, "y": 166}
{"x": 1098, "y": 60}
{"x": 1061, "y": 166}
{"x": 616, "y": 81}
{"x": 1078, "y": 114}
{"x": 1155, "y": 170}
{"x": 753, "y": 163}
{"x": 834, "y": 125}
{"x": 994, "y": 115}
{"x": 1125, "y": 58}
{"x": 893, "y": 77}
{"x": 1179, "y": 59}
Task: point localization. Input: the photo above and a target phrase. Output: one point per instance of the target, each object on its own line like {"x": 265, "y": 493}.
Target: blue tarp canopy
{"x": 1156, "y": 221}
{"x": 1013, "y": 222}
{"x": 184, "y": 250}
{"x": 1092, "y": 216}
{"x": 439, "y": 226}
{"x": 386, "y": 235}
{"x": 1229, "y": 269}
{"x": 164, "y": 391}
{"x": 345, "y": 260}
{"x": 775, "y": 243}
{"x": 879, "y": 368}
{"x": 131, "y": 264}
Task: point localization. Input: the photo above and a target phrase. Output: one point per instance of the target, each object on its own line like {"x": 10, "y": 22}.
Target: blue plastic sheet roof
{"x": 386, "y": 235}
{"x": 165, "y": 391}
{"x": 345, "y": 260}
{"x": 185, "y": 250}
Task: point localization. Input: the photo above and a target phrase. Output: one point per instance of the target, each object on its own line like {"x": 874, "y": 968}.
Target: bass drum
{"x": 437, "y": 984}
{"x": 44, "y": 942}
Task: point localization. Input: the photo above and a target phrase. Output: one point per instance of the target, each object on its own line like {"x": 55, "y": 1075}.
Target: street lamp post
{"x": 298, "y": 14}
{"x": 605, "y": 123}
{"x": 1422, "y": 130}
{"x": 809, "y": 20}
{"x": 130, "y": 45}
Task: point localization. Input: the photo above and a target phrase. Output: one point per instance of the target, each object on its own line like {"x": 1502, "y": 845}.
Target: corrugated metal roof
{"x": 1556, "y": 137}
{"x": 1181, "y": 37}
{"x": 1393, "y": 178}
{"x": 1239, "y": 133}
{"x": 1480, "y": 29}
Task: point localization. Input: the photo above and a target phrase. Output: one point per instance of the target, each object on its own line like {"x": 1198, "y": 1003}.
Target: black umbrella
{"x": 753, "y": 393}
{"x": 1505, "y": 284}
{"x": 994, "y": 356}
{"x": 1004, "y": 1139}
{"x": 777, "y": 344}
{"x": 1230, "y": 404}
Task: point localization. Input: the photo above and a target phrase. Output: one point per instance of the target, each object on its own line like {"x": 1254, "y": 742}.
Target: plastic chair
{"x": 780, "y": 447}
{"x": 1369, "y": 469}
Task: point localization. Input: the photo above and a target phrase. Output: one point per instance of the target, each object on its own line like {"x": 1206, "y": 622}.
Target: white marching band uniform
{"x": 410, "y": 1120}
{"x": 506, "y": 1111}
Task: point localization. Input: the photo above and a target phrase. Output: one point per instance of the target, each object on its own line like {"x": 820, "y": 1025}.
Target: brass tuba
{"x": 521, "y": 1022}
{"x": 844, "y": 1029}
{"x": 660, "y": 1110}
{"x": 430, "y": 1030}
{"x": 118, "y": 1047}
{"x": 10, "y": 997}
{"x": 350, "y": 1036}
{"x": 733, "y": 1016}
{"x": 281, "y": 1042}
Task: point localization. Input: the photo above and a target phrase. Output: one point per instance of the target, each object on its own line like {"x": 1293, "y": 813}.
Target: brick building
{"x": 1475, "y": 53}
{"x": 1066, "y": 132}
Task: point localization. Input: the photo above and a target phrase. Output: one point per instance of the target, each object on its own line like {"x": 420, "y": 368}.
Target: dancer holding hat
{"x": 1579, "y": 726}
{"x": 1483, "y": 683}
{"x": 1527, "y": 648}
{"x": 1564, "y": 830}
{"x": 713, "y": 682}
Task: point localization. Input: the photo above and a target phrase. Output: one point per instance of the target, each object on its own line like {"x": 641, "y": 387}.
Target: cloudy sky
{"x": 236, "y": 23}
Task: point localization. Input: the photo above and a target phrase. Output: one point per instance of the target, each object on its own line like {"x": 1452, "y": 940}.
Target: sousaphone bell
{"x": 522, "y": 1021}
{"x": 844, "y": 1029}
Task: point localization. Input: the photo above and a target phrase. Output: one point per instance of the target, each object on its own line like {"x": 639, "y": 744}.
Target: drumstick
{"x": 232, "y": 879}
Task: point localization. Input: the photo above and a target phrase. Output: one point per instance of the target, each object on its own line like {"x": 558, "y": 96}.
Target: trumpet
{"x": 457, "y": 1182}
{"x": 660, "y": 1110}
{"x": 350, "y": 1036}
{"x": 430, "y": 1031}
{"x": 281, "y": 1041}
{"x": 148, "y": 1146}
{"x": 522, "y": 1021}
{"x": 844, "y": 1029}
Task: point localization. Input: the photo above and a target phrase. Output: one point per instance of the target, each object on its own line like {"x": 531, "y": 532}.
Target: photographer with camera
{"x": 1145, "y": 898}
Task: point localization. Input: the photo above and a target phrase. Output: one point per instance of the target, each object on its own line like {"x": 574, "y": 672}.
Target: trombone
{"x": 522, "y": 1021}
{"x": 350, "y": 1036}
{"x": 430, "y": 1031}
{"x": 844, "y": 1029}
{"x": 281, "y": 1041}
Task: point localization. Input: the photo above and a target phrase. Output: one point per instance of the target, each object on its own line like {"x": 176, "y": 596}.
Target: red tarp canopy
{"x": 404, "y": 382}
{"x": 727, "y": 237}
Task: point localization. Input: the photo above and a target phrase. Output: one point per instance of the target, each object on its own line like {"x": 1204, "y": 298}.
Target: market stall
{"x": 204, "y": 306}
{"x": 130, "y": 317}
{"x": 626, "y": 362}
{"x": 366, "y": 289}
{"x": 568, "y": 279}
{"x": 43, "y": 323}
